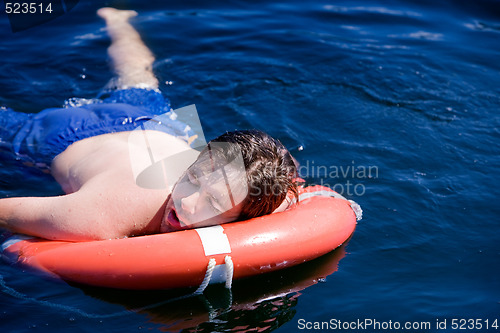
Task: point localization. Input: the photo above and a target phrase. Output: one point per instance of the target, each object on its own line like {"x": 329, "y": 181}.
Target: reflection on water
{"x": 261, "y": 303}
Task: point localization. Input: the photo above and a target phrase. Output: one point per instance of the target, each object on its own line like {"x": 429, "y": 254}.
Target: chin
{"x": 164, "y": 227}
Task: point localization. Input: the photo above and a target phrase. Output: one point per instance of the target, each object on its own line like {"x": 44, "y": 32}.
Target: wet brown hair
{"x": 270, "y": 169}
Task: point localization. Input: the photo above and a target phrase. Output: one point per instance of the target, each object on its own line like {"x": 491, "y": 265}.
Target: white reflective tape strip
{"x": 307, "y": 195}
{"x": 354, "y": 206}
{"x": 214, "y": 240}
{"x": 13, "y": 240}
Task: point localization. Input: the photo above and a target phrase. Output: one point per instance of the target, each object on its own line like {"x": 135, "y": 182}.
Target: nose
{"x": 189, "y": 203}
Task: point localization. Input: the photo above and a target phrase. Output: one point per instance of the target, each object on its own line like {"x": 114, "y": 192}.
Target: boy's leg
{"x": 132, "y": 60}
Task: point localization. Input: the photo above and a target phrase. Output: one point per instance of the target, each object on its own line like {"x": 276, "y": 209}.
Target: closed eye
{"x": 192, "y": 178}
{"x": 215, "y": 205}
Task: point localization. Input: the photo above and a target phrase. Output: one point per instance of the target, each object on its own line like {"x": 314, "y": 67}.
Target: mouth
{"x": 173, "y": 220}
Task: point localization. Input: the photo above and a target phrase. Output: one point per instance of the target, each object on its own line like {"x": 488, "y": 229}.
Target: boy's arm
{"x": 106, "y": 207}
{"x": 88, "y": 214}
{"x": 48, "y": 217}
{"x": 30, "y": 215}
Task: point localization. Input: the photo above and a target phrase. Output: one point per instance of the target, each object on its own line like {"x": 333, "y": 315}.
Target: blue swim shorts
{"x": 39, "y": 138}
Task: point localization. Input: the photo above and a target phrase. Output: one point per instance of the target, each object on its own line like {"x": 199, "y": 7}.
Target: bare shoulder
{"x": 116, "y": 208}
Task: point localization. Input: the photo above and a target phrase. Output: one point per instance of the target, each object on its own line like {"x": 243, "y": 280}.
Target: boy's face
{"x": 207, "y": 194}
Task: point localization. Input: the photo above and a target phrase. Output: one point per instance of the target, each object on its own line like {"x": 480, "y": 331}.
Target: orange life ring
{"x": 322, "y": 221}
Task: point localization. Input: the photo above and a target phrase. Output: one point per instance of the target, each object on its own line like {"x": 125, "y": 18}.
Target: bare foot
{"x": 112, "y": 14}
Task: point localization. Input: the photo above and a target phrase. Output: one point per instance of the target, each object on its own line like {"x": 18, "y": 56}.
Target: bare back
{"x": 107, "y": 154}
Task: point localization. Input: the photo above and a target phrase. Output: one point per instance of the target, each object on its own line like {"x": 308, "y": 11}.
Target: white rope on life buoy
{"x": 208, "y": 276}
{"x": 228, "y": 262}
{"x": 229, "y": 271}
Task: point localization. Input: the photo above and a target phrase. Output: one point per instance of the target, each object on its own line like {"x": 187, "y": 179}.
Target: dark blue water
{"x": 404, "y": 93}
